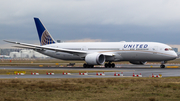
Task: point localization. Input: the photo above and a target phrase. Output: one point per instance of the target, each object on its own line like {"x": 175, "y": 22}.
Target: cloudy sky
{"x": 91, "y": 20}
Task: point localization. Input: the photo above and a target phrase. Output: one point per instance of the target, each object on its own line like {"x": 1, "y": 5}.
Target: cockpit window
{"x": 168, "y": 49}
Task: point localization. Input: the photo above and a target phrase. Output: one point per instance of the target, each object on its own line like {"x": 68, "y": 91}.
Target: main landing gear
{"x": 162, "y": 64}
{"x": 88, "y": 66}
{"x": 109, "y": 65}
{"x": 106, "y": 65}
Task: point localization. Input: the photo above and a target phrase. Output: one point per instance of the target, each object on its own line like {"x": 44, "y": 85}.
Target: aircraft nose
{"x": 174, "y": 55}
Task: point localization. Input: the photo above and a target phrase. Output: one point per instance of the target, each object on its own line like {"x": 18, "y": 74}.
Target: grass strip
{"x": 95, "y": 89}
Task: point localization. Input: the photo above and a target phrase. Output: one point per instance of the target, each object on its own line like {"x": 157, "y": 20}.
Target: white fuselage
{"x": 123, "y": 51}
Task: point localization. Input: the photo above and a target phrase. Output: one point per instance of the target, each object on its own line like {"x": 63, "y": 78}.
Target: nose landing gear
{"x": 109, "y": 65}
{"x": 162, "y": 64}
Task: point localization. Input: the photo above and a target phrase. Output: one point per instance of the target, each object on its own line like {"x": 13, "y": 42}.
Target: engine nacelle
{"x": 138, "y": 62}
{"x": 95, "y": 59}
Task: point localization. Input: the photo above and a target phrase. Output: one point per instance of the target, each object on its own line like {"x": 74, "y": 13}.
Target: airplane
{"x": 97, "y": 53}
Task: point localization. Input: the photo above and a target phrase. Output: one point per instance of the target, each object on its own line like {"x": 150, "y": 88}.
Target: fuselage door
{"x": 84, "y": 48}
{"x": 156, "y": 48}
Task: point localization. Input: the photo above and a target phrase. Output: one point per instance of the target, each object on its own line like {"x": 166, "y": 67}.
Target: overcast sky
{"x": 94, "y": 20}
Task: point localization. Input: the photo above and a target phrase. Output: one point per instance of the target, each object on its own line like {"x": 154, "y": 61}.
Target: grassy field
{"x": 97, "y": 89}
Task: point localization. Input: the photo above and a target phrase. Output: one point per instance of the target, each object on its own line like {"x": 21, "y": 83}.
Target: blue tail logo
{"x": 44, "y": 36}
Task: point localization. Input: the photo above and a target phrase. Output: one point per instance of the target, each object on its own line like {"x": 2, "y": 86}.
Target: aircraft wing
{"x": 37, "y": 47}
{"x": 108, "y": 54}
{"x": 24, "y": 47}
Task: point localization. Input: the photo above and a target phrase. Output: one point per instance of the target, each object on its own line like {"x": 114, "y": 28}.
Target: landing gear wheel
{"x": 109, "y": 65}
{"x": 113, "y": 65}
{"x": 92, "y": 66}
{"x": 106, "y": 65}
{"x": 84, "y": 65}
{"x": 162, "y": 66}
{"x": 88, "y": 66}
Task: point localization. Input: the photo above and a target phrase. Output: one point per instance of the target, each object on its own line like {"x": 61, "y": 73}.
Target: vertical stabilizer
{"x": 44, "y": 36}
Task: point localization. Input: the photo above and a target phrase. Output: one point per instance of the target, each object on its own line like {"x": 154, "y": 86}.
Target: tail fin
{"x": 44, "y": 36}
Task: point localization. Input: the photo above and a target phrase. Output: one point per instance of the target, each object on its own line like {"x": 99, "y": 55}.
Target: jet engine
{"x": 95, "y": 59}
{"x": 138, "y": 62}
